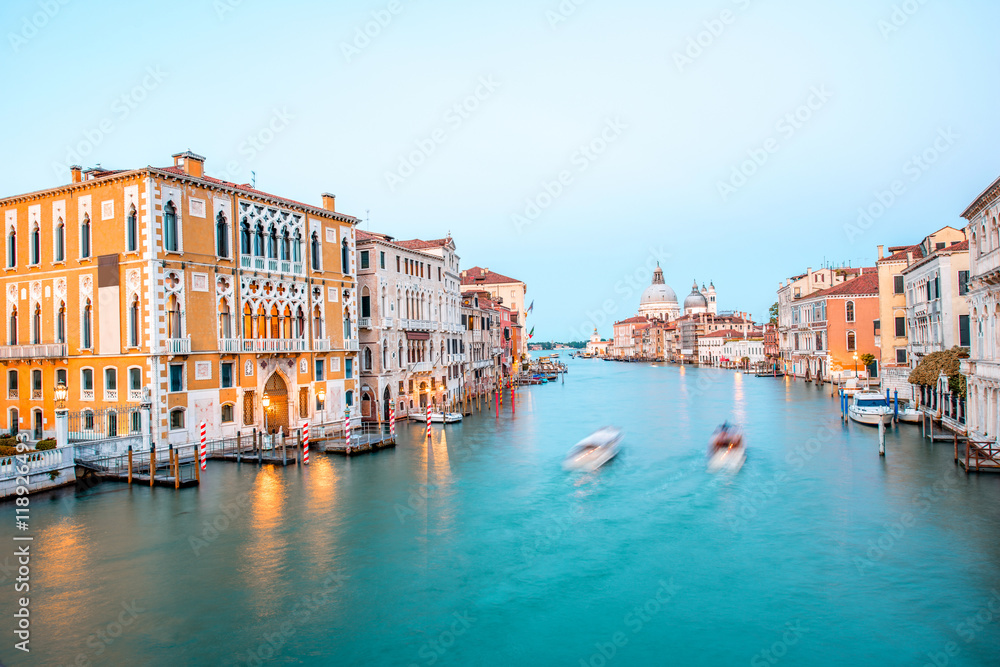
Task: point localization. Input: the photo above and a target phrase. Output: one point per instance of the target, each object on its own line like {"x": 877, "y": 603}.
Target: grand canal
{"x": 476, "y": 548}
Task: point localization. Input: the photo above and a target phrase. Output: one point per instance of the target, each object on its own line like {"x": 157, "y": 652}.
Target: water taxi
{"x": 869, "y": 407}
{"x": 595, "y": 450}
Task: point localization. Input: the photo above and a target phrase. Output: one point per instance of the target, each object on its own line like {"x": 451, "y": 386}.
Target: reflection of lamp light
{"x": 61, "y": 394}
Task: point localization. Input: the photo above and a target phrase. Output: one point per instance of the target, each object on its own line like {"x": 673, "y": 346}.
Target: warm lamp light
{"x": 61, "y": 394}
{"x": 266, "y": 400}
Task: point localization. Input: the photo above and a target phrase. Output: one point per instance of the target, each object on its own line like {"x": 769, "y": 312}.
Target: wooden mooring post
{"x": 258, "y": 440}
{"x": 239, "y": 447}
{"x": 152, "y": 464}
{"x": 177, "y": 467}
{"x": 197, "y": 462}
{"x": 130, "y": 464}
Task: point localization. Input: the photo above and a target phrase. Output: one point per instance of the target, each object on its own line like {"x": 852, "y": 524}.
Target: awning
{"x": 418, "y": 335}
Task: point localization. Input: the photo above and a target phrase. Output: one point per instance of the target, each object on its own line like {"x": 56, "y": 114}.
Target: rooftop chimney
{"x": 329, "y": 201}
{"x": 909, "y": 257}
{"x": 192, "y": 164}
{"x": 880, "y": 251}
{"x": 76, "y": 171}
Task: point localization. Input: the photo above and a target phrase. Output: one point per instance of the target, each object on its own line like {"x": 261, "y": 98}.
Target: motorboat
{"x": 910, "y": 415}
{"x": 595, "y": 450}
{"x": 726, "y": 450}
{"x": 870, "y": 407}
{"x": 452, "y": 417}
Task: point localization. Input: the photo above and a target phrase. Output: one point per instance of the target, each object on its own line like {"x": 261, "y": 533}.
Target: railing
{"x": 482, "y": 363}
{"x": 135, "y": 395}
{"x": 11, "y": 394}
{"x": 177, "y": 346}
{"x": 86, "y": 394}
{"x": 321, "y": 345}
{"x": 110, "y": 394}
{"x": 458, "y": 358}
{"x": 985, "y": 370}
{"x": 49, "y": 461}
{"x": 270, "y": 264}
{"x": 273, "y": 344}
{"x": 351, "y": 345}
{"x": 387, "y": 322}
{"x": 230, "y": 345}
{"x": 46, "y": 351}
{"x": 36, "y": 394}
{"x": 421, "y": 367}
{"x": 364, "y": 323}
{"x": 419, "y": 325}
{"x": 985, "y": 263}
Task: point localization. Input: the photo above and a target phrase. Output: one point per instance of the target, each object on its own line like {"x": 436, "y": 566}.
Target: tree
{"x": 867, "y": 359}
{"x": 773, "y": 312}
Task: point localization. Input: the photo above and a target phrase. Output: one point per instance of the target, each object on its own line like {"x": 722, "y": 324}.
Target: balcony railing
{"x": 177, "y": 346}
{"x": 421, "y": 367}
{"x": 46, "y": 351}
{"x": 230, "y": 345}
{"x": 36, "y": 394}
{"x": 87, "y": 394}
{"x": 387, "y": 322}
{"x": 458, "y": 358}
{"x": 271, "y": 264}
{"x": 11, "y": 394}
{"x": 351, "y": 345}
{"x": 321, "y": 344}
{"x": 110, "y": 394}
{"x": 364, "y": 323}
{"x": 482, "y": 363}
{"x": 419, "y": 325}
{"x": 273, "y": 344}
{"x": 135, "y": 395}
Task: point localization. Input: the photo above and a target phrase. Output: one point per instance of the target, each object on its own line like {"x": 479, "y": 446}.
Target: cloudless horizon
{"x": 569, "y": 144}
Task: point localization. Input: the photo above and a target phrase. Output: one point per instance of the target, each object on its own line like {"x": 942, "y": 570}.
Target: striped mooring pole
{"x": 347, "y": 429}
{"x": 203, "y": 450}
{"x": 428, "y": 421}
{"x": 392, "y": 423}
{"x": 305, "y": 444}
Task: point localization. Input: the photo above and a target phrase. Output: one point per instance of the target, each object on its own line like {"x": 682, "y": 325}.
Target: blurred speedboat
{"x": 726, "y": 451}
{"x": 595, "y": 450}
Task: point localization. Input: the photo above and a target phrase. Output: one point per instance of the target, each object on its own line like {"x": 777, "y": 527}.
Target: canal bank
{"x": 477, "y": 548}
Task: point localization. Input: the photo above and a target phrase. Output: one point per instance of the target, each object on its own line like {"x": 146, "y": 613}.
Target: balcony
{"x": 36, "y": 394}
{"x": 351, "y": 345}
{"x": 364, "y": 323}
{"x": 321, "y": 345}
{"x": 386, "y": 322}
{"x": 984, "y": 264}
{"x": 47, "y": 351}
{"x": 482, "y": 363}
{"x": 982, "y": 370}
{"x": 421, "y": 367}
{"x": 271, "y": 265}
{"x": 11, "y": 394}
{"x": 86, "y": 394}
{"x": 458, "y": 358}
{"x": 111, "y": 395}
{"x": 177, "y": 346}
{"x": 273, "y": 344}
{"x": 135, "y": 395}
{"x": 418, "y": 325}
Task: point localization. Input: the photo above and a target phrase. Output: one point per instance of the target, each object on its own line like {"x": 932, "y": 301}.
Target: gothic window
{"x": 221, "y": 236}
{"x": 173, "y": 317}
{"x": 35, "y": 245}
{"x": 297, "y": 247}
{"x": 60, "y": 241}
{"x": 61, "y": 324}
{"x": 133, "y": 322}
{"x": 245, "y": 237}
{"x": 368, "y": 359}
{"x": 286, "y": 246}
{"x": 170, "y": 241}
{"x": 317, "y": 323}
{"x": 314, "y": 251}
{"x": 11, "y": 248}
{"x": 258, "y": 241}
{"x": 36, "y": 326}
{"x": 225, "y": 320}
{"x": 132, "y": 230}
{"x": 88, "y": 321}
{"x": 272, "y": 243}
{"x": 345, "y": 258}
{"x": 85, "y": 237}
{"x": 12, "y": 327}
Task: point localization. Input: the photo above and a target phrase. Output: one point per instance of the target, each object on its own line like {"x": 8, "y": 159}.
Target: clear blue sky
{"x": 338, "y": 114}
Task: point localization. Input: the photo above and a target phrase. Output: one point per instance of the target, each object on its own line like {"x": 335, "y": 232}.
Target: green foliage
{"x": 867, "y": 359}
{"x": 773, "y": 313}
{"x": 936, "y": 363}
{"x": 7, "y": 450}
{"x": 43, "y": 445}
{"x": 8, "y": 441}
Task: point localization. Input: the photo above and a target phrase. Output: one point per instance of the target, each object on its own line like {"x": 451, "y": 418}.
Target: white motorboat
{"x": 726, "y": 452}
{"x": 437, "y": 417}
{"x": 910, "y": 415}
{"x": 595, "y": 450}
{"x": 869, "y": 407}
{"x": 452, "y": 417}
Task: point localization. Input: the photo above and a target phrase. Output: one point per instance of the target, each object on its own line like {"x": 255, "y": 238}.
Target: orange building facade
{"x": 169, "y": 289}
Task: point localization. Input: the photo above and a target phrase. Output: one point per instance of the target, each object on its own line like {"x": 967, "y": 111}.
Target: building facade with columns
{"x": 170, "y": 289}
{"x": 410, "y": 324}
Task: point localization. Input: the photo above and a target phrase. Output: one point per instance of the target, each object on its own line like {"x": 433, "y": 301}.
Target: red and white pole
{"x": 392, "y": 423}
{"x": 428, "y": 422}
{"x": 305, "y": 444}
{"x": 347, "y": 431}
{"x": 496, "y": 399}
{"x": 203, "y": 452}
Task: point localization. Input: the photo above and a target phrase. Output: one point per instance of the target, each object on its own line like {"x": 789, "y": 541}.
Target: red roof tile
{"x": 418, "y": 244}
{"x": 899, "y": 253}
{"x": 865, "y": 284}
{"x": 725, "y": 333}
{"x": 480, "y": 276}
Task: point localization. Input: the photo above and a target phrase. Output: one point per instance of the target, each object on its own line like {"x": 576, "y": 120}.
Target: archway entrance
{"x": 277, "y": 412}
{"x": 386, "y": 404}
{"x": 368, "y": 406}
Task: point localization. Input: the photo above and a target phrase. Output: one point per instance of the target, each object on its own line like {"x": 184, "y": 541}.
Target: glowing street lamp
{"x": 855, "y": 364}
{"x": 266, "y": 400}
{"x": 62, "y": 392}
{"x": 321, "y": 395}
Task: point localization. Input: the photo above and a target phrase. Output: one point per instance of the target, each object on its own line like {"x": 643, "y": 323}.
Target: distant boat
{"x": 869, "y": 407}
{"x": 595, "y": 450}
{"x": 726, "y": 451}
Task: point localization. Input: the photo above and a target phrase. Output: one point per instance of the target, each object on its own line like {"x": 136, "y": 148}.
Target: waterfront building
{"x": 482, "y": 346}
{"x": 710, "y": 346}
{"x": 800, "y": 286}
{"x": 833, "y": 326}
{"x": 893, "y": 341}
{"x": 622, "y": 347}
{"x": 163, "y": 298}
{"x": 982, "y": 368}
{"x": 744, "y": 351}
{"x": 410, "y": 323}
{"x": 597, "y": 347}
{"x": 771, "y": 350}
{"x": 937, "y": 312}
{"x": 511, "y": 292}
{"x": 658, "y": 300}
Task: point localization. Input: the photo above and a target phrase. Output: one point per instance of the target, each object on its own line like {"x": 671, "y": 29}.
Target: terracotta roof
{"x": 961, "y": 245}
{"x": 417, "y": 244}
{"x": 725, "y": 333}
{"x": 245, "y": 187}
{"x": 633, "y": 320}
{"x": 372, "y": 236}
{"x": 480, "y": 276}
{"x": 865, "y": 284}
{"x": 899, "y": 253}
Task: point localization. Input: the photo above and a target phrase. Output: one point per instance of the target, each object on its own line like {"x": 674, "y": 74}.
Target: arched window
{"x": 368, "y": 359}
{"x": 272, "y": 243}
{"x": 245, "y": 237}
{"x": 849, "y": 307}
{"x": 400, "y": 353}
{"x": 297, "y": 247}
{"x": 851, "y": 341}
{"x": 173, "y": 317}
{"x": 258, "y": 241}
{"x": 221, "y": 235}
{"x": 35, "y": 245}
{"x": 132, "y": 230}
{"x": 385, "y": 355}
{"x": 133, "y": 323}
{"x": 170, "y": 227}
{"x": 12, "y": 384}
{"x": 12, "y": 327}
{"x": 286, "y": 246}
{"x": 12, "y": 248}
{"x": 314, "y": 251}
{"x": 225, "y": 320}
{"x": 36, "y": 326}
{"x": 60, "y": 241}
{"x": 61, "y": 323}
{"x": 286, "y": 323}
{"x": 366, "y": 302}
{"x": 275, "y": 323}
{"x": 227, "y": 413}
{"x": 318, "y": 323}
{"x": 176, "y": 419}
{"x": 247, "y": 321}
{"x": 300, "y": 323}
{"x": 345, "y": 258}
{"x": 982, "y": 240}
{"x": 347, "y": 325}
{"x": 88, "y": 333}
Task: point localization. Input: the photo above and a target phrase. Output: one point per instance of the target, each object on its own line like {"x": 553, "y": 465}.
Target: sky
{"x": 570, "y": 144}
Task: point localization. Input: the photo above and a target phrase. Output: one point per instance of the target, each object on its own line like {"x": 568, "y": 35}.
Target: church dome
{"x": 658, "y": 291}
{"x": 695, "y": 299}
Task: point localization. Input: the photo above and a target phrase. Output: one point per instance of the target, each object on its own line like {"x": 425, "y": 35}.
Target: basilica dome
{"x": 658, "y": 291}
{"x": 695, "y": 299}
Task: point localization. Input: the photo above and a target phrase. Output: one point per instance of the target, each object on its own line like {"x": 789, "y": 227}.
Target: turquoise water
{"x": 478, "y": 549}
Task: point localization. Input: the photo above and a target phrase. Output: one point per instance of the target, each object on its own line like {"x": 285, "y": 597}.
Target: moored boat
{"x": 595, "y": 450}
{"x": 869, "y": 407}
